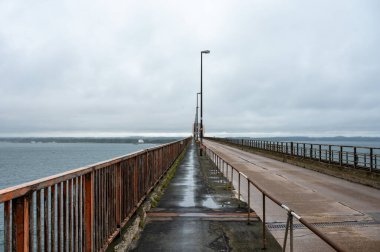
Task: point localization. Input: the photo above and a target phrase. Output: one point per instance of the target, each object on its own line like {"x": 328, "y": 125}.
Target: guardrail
{"x": 227, "y": 168}
{"x": 367, "y": 158}
{"x": 83, "y": 209}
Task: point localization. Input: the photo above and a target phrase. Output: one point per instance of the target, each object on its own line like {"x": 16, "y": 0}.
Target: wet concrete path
{"x": 198, "y": 212}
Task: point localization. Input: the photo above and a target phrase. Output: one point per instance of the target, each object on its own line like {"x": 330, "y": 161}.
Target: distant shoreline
{"x": 160, "y": 140}
{"x": 134, "y": 140}
{"x": 315, "y": 139}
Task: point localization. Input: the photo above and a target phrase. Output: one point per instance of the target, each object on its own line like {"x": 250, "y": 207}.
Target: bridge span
{"x": 345, "y": 213}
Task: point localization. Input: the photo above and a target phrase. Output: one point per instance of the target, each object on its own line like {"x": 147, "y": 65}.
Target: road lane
{"x": 347, "y": 212}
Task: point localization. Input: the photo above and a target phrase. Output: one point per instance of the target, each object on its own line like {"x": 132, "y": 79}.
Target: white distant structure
{"x": 140, "y": 141}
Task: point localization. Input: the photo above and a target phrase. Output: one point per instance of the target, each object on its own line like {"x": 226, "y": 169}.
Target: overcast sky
{"x": 117, "y": 68}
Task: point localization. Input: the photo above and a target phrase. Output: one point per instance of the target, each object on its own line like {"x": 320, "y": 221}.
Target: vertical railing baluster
{"x": 239, "y": 186}
{"x": 118, "y": 195}
{"x": 330, "y": 154}
{"x": 59, "y": 214}
{"x": 311, "y": 151}
{"x": 7, "y": 225}
{"x": 46, "y": 218}
{"x": 97, "y": 209}
{"x": 232, "y": 176}
{"x": 64, "y": 228}
{"x": 75, "y": 214}
{"x": 82, "y": 212}
{"x": 249, "y": 200}
{"x": 52, "y": 218}
{"x": 286, "y": 232}
{"x": 291, "y": 232}
{"x": 20, "y": 223}
{"x": 38, "y": 220}
{"x": 70, "y": 212}
{"x": 264, "y": 221}
{"x": 31, "y": 221}
{"x": 304, "y": 150}
{"x": 89, "y": 210}
{"x": 291, "y": 148}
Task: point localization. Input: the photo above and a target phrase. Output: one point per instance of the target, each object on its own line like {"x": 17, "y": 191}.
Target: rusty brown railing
{"x": 367, "y": 158}
{"x": 228, "y": 170}
{"x": 83, "y": 209}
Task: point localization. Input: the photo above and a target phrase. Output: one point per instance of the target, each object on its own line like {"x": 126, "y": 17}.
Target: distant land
{"x": 160, "y": 140}
{"x": 152, "y": 140}
{"x": 316, "y": 139}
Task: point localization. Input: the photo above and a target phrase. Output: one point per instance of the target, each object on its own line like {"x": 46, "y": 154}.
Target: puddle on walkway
{"x": 191, "y": 185}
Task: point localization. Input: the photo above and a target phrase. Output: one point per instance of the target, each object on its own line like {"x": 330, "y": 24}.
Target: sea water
{"x": 24, "y": 162}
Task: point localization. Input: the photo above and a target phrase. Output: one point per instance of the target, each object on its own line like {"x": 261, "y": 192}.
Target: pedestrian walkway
{"x": 198, "y": 212}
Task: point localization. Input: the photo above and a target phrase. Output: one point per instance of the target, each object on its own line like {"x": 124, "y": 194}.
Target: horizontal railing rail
{"x": 367, "y": 158}
{"x": 82, "y": 209}
{"x": 229, "y": 170}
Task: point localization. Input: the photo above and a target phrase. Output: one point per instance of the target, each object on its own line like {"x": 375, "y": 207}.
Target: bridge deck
{"x": 197, "y": 212}
{"x": 348, "y": 213}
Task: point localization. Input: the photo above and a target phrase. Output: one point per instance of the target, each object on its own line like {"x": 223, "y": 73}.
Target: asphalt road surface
{"x": 348, "y": 213}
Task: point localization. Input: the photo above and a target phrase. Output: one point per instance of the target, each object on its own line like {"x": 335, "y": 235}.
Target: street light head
{"x": 205, "y": 51}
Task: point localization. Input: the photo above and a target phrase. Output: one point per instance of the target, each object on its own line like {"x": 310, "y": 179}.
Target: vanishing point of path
{"x": 198, "y": 212}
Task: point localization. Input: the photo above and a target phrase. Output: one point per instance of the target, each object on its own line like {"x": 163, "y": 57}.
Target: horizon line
{"x": 59, "y": 134}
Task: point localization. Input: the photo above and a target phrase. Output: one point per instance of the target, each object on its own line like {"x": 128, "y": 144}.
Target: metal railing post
{"x": 264, "y": 233}
{"x": 118, "y": 193}
{"x": 224, "y": 167}
{"x": 371, "y": 159}
{"x": 311, "y": 151}
{"x": 286, "y": 148}
{"x": 89, "y": 211}
{"x": 20, "y": 223}
{"x": 286, "y": 232}
{"x": 7, "y": 226}
{"x": 304, "y": 150}
{"x": 232, "y": 176}
{"x": 239, "y": 187}
{"x": 291, "y": 148}
{"x": 291, "y": 232}
{"x": 249, "y": 201}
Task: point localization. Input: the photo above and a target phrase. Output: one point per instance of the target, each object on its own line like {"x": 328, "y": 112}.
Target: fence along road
{"x": 347, "y": 213}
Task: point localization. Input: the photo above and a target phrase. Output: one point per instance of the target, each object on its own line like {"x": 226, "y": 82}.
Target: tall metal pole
{"x": 197, "y": 122}
{"x": 205, "y": 51}
{"x": 200, "y": 149}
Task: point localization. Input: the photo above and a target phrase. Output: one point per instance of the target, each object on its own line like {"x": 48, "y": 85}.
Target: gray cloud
{"x": 276, "y": 67}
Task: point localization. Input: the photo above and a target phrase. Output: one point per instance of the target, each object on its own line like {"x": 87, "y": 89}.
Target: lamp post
{"x": 196, "y": 120}
{"x": 202, "y": 52}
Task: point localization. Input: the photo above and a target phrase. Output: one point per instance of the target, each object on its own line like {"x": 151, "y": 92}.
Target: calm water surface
{"x": 23, "y": 162}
